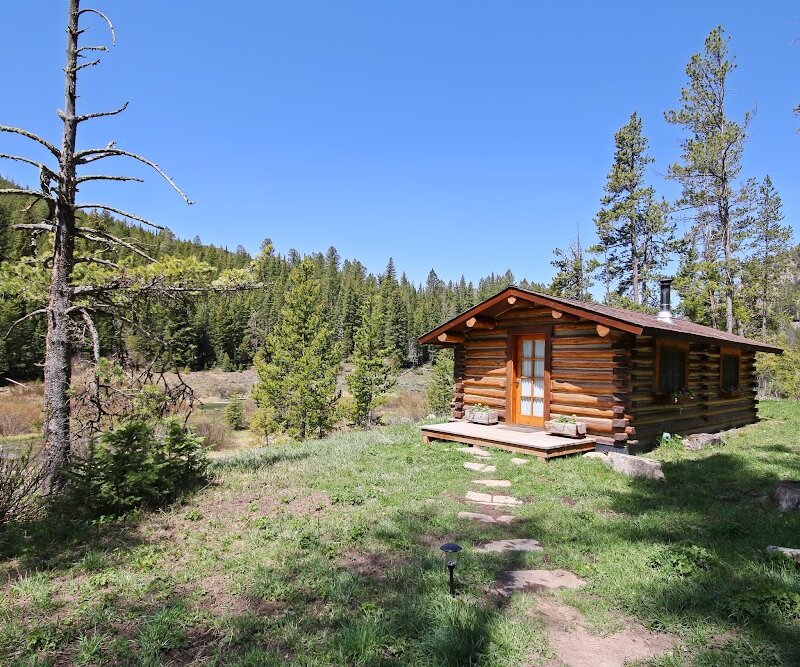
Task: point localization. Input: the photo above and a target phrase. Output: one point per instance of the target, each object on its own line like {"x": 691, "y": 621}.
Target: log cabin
{"x": 629, "y": 376}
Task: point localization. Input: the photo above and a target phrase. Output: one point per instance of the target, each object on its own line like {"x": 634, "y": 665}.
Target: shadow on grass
{"x": 709, "y": 525}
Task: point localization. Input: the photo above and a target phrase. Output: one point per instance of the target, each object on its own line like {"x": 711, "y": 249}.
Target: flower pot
{"x": 483, "y": 416}
{"x": 567, "y": 429}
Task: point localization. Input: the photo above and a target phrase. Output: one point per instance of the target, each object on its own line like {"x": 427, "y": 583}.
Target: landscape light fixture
{"x": 450, "y": 550}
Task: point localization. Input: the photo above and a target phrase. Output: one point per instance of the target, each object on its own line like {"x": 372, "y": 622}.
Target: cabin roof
{"x": 630, "y": 321}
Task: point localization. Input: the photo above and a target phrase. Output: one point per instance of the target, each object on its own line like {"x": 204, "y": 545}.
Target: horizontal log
{"x": 477, "y": 372}
{"x": 581, "y": 399}
{"x": 473, "y": 399}
{"x": 572, "y": 353}
{"x": 485, "y": 392}
{"x": 583, "y": 364}
{"x": 583, "y": 388}
{"x": 568, "y": 375}
{"x": 473, "y": 344}
{"x": 486, "y": 382}
{"x": 480, "y": 323}
{"x": 454, "y": 338}
{"x": 457, "y": 414}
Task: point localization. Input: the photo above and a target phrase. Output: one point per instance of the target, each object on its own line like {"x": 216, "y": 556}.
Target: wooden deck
{"x": 518, "y": 439}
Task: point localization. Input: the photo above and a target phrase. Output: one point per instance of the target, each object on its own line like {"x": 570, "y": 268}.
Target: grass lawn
{"x": 326, "y": 553}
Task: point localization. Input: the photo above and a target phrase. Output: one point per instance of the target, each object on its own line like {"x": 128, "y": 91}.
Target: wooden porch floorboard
{"x": 518, "y": 439}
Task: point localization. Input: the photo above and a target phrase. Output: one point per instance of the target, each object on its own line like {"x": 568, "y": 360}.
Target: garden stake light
{"x": 451, "y": 549}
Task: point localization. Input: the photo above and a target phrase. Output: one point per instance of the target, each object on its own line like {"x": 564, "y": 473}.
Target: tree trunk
{"x": 58, "y": 350}
{"x": 634, "y": 261}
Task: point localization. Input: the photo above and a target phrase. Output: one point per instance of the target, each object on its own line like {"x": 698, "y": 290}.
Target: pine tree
{"x": 372, "y": 375}
{"x": 573, "y": 271}
{"x": 234, "y": 413}
{"x": 635, "y": 235}
{"x": 709, "y": 173}
{"x": 768, "y": 260}
{"x": 440, "y": 386}
{"x": 297, "y": 376}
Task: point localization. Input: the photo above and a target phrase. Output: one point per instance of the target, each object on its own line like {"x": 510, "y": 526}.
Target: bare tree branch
{"x": 89, "y": 10}
{"x": 38, "y": 226}
{"x": 91, "y": 63}
{"x": 118, "y": 212}
{"x": 19, "y": 158}
{"x": 22, "y": 191}
{"x": 33, "y": 137}
{"x": 100, "y": 114}
{"x": 101, "y": 177}
{"x": 94, "y": 154}
{"x": 91, "y": 48}
{"x": 100, "y": 236}
{"x": 33, "y": 313}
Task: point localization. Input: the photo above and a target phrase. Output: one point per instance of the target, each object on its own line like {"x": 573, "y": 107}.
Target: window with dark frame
{"x": 672, "y": 369}
{"x": 729, "y": 379}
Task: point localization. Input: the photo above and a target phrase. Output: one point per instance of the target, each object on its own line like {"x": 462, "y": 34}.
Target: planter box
{"x": 483, "y": 416}
{"x": 566, "y": 429}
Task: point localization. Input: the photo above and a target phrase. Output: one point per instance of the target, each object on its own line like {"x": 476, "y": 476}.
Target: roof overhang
{"x": 499, "y": 303}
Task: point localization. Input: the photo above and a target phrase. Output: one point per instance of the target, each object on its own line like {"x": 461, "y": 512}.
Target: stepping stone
{"x": 474, "y": 451}
{"x": 485, "y": 518}
{"x": 519, "y": 462}
{"x": 538, "y": 580}
{"x": 489, "y": 499}
{"x": 503, "y": 546}
{"x": 494, "y": 483}
{"x": 479, "y": 467}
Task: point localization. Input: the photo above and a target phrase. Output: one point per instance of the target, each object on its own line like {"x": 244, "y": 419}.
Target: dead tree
{"x": 59, "y": 187}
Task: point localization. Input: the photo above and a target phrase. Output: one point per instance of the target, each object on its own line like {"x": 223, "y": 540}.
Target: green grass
{"x": 326, "y": 553}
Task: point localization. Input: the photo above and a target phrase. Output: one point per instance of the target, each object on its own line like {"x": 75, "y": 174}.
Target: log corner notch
{"x": 603, "y": 330}
{"x": 451, "y": 338}
{"x": 486, "y": 323}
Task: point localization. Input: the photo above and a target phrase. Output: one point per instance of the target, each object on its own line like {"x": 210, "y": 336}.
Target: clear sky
{"x": 462, "y": 135}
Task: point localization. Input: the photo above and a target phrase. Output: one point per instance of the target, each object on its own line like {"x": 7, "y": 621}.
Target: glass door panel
{"x": 530, "y": 380}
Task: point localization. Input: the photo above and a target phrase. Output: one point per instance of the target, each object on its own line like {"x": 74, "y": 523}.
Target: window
{"x": 729, "y": 369}
{"x": 672, "y": 366}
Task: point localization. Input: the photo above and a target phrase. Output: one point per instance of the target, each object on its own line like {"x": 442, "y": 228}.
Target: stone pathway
{"x": 493, "y": 483}
{"x": 486, "y": 518}
{"x": 568, "y": 633}
{"x": 504, "y": 546}
{"x": 490, "y": 499}
{"x": 479, "y": 467}
{"x": 475, "y": 451}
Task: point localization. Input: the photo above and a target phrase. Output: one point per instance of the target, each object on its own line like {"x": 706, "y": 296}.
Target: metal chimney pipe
{"x": 665, "y": 312}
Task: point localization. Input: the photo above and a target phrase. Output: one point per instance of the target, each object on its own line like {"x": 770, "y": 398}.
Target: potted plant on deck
{"x": 482, "y": 414}
{"x": 566, "y": 426}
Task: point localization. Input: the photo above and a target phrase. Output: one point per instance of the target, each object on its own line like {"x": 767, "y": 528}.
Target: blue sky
{"x": 466, "y": 136}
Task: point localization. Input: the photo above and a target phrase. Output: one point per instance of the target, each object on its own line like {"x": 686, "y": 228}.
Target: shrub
{"x": 216, "y": 434}
{"x": 234, "y": 414}
{"x": 440, "y": 385}
{"x": 20, "y": 412}
{"x": 683, "y": 560}
{"x": 133, "y": 467}
{"x": 20, "y": 478}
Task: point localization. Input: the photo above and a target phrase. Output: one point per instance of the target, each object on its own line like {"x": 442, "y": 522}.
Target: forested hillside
{"x": 225, "y": 330}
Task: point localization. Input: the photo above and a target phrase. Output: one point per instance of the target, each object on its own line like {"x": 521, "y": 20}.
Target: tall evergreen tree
{"x": 709, "y": 173}
{"x": 297, "y": 375}
{"x": 769, "y": 258}
{"x": 439, "y": 391}
{"x": 372, "y": 375}
{"x": 573, "y": 272}
{"x": 635, "y": 237}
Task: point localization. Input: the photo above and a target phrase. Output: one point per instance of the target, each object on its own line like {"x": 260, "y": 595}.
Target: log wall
{"x": 709, "y": 410}
{"x": 606, "y": 381}
{"x": 587, "y": 370}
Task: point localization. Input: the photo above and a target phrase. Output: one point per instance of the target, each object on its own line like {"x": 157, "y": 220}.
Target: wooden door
{"x": 530, "y": 390}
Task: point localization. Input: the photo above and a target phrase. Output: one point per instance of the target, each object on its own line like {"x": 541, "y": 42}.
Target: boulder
{"x": 786, "y": 551}
{"x": 700, "y": 441}
{"x": 635, "y": 466}
{"x": 504, "y": 546}
{"x": 786, "y": 496}
{"x": 600, "y": 456}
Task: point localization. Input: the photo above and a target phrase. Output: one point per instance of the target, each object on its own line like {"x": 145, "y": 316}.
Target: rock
{"x": 596, "y": 455}
{"x": 786, "y": 496}
{"x": 700, "y": 441}
{"x": 493, "y": 483}
{"x": 634, "y": 466}
{"x": 519, "y": 462}
{"x": 475, "y": 451}
{"x": 538, "y": 580}
{"x": 431, "y": 416}
{"x": 786, "y": 551}
{"x": 489, "y": 499}
{"x": 503, "y": 546}
{"x": 476, "y": 516}
{"x": 479, "y": 467}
